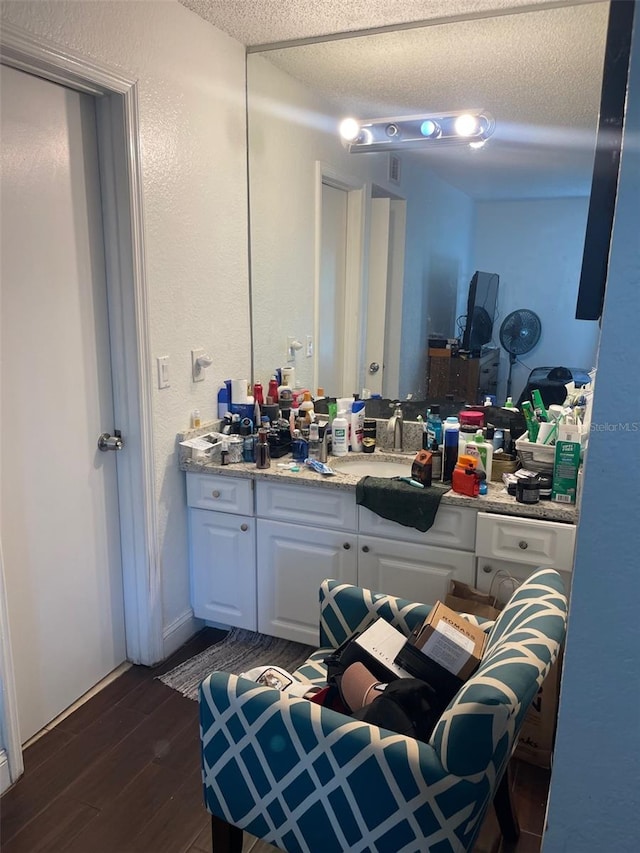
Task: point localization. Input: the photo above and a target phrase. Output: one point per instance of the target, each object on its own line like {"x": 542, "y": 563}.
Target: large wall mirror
{"x": 362, "y": 258}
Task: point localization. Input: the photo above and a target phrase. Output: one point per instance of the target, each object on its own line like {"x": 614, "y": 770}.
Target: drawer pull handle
{"x": 487, "y": 570}
{"x": 215, "y": 494}
{"x": 523, "y": 545}
{"x": 365, "y": 548}
{"x": 346, "y": 546}
{"x": 244, "y": 527}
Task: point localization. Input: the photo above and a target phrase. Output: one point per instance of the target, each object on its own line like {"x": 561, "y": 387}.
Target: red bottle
{"x": 257, "y": 394}
{"x": 273, "y": 391}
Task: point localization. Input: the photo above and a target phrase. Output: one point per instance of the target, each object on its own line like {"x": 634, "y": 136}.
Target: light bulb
{"x": 349, "y": 129}
{"x": 466, "y": 125}
{"x": 428, "y": 128}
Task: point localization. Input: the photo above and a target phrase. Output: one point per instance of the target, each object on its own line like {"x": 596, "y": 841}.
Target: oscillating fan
{"x": 519, "y": 333}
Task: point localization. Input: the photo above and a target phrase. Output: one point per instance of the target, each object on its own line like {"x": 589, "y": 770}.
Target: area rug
{"x": 238, "y": 652}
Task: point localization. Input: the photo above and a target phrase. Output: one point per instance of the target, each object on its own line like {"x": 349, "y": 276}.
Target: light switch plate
{"x": 163, "y": 371}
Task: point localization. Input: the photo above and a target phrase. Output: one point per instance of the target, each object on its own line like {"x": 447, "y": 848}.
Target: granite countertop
{"x": 497, "y": 500}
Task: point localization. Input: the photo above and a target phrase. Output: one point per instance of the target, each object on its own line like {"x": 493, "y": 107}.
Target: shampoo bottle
{"x": 357, "y": 425}
{"x": 340, "y": 435}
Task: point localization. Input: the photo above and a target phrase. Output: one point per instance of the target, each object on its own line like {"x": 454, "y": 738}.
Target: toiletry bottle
{"x": 509, "y": 404}
{"x": 369, "y": 435}
{"x": 434, "y": 425}
{"x": 482, "y": 450}
{"x": 257, "y": 393}
{"x": 195, "y": 419}
{"x": 314, "y": 441}
{"x": 340, "y": 435}
{"x": 436, "y": 462}
{"x": 306, "y": 409}
{"x": 224, "y": 452}
{"x": 357, "y": 425}
{"x": 223, "y": 402}
{"x": 272, "y": 391}
{"x": 263, "y": 455}
{"x": 450, "y": 428}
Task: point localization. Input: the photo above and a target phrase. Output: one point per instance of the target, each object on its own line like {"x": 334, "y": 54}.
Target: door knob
{"x": 374, "y": 367}
{"x": 110, "y": 442}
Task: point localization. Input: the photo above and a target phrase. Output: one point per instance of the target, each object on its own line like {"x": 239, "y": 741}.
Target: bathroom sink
{"x": 373, "y": 467}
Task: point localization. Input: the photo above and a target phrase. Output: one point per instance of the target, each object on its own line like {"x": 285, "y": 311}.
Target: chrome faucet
{"x": 394, "y": 426}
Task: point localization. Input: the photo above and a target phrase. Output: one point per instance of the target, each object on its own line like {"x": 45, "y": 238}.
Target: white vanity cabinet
{"x": 418, "y": 566}
{"x": 222, "y": 550}
{"x": 306, "y": 535}
{"x": 510, "y": 547}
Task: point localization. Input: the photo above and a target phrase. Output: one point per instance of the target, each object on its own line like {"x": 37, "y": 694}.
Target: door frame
{"x": 116, "y": 99}
{"x": 354, "y": 267}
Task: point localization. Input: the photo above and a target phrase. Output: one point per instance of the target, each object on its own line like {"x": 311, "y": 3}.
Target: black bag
{"x": 408, "y": 706}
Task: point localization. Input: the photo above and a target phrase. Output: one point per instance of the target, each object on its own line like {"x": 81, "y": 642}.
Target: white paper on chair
{"x": 383, "y": 642}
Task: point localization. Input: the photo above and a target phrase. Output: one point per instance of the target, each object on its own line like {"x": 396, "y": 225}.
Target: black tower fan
{"x": 519, "y": 333}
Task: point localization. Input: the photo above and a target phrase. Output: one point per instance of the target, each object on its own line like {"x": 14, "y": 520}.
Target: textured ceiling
{"x": 260, "y": 22}
{"x": 537, "y": 70}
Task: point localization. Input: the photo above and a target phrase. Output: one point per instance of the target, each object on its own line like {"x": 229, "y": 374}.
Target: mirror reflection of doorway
{"x": 333, "y": 284}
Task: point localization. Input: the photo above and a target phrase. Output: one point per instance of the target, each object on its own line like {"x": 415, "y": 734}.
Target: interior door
{"x": 377, "y": 293}
{"x": 58, "y": 500}
{"x": 331, "y": 307}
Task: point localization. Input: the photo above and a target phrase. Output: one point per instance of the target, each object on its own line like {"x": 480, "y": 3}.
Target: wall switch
{"x": 163, "y": 371}
{"x": 309, "y": 346}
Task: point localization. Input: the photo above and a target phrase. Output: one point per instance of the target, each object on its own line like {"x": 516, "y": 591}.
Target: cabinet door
{"x": 223, "y": 568}
{"x": 292, "y": 563}
{"x": 416, "y": 572}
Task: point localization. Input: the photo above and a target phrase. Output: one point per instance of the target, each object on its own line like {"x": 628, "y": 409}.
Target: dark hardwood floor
{"x": 121, "y": 774}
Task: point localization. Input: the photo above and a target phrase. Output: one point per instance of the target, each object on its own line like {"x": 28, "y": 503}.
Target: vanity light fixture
{"x": 466, "y": 127}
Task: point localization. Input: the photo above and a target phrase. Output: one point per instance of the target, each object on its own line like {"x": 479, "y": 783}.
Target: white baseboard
{"x": 5, "y": 778}
{"x": 179, "y": 631}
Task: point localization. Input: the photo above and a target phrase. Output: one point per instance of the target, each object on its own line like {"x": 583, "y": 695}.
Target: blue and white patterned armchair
{"x": 307, "y": 778}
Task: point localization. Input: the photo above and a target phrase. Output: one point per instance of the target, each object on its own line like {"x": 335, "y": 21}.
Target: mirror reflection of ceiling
{"x": 534, "y": 85}
{"x": 262, "y": 22}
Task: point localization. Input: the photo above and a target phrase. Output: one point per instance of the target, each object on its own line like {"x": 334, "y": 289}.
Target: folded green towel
{"x": 401, "y": 502}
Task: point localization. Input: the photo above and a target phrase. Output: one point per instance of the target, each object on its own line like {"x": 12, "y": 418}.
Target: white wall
{"x": 439, "y": 222}
{"x": 536, "y": 246}
{"x": 193, "y": 152}
{"x": 595, "y": 791}
{"x": 290, "y": 128}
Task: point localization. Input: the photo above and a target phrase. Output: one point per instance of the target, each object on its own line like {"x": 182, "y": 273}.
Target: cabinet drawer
{"x": 454, "y": 527}
{"x": 501, "y": 578}
{"x": 225, "y": 494}
{"x": 319, "y": 507}
{"x": 526, "y": 540}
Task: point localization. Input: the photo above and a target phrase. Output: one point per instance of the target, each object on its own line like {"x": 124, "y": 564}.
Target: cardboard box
{"x": 443, "y": 651}
{"x": 566, "y": 465}
{"x": 537, "y": 735}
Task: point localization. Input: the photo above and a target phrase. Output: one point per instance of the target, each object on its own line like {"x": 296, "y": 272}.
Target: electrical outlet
{"x": 309, "y": 346}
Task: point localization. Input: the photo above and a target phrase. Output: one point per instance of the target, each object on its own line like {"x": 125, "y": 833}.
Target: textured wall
{"x": 536, "y": 246}
{"x": 192, "y": 129}
{"x": 595, "y": 790}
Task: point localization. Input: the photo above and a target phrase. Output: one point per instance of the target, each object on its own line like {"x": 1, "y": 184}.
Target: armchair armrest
{"x": 286, "y": 769}
{"x": 345, "y": 609}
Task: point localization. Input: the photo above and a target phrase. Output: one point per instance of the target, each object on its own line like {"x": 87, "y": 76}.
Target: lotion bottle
{"x": 357, "y": 425}
{"x": 340, "y": 435}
